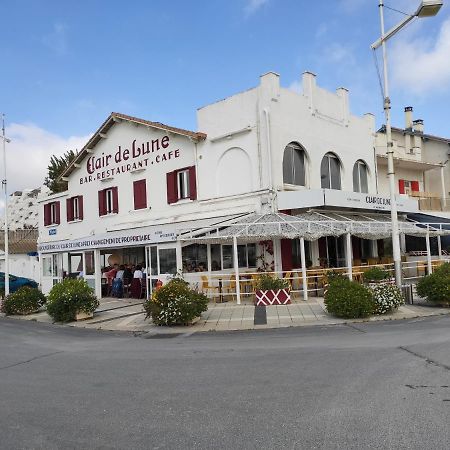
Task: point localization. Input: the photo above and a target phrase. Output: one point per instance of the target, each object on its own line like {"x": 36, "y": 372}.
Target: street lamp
{"x": 5, "y": 140}
{"x": 427, "y": 8}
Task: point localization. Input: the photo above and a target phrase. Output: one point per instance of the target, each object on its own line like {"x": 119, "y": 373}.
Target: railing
{"x": 221, "y": 286}
{"x": 431, "y": 202}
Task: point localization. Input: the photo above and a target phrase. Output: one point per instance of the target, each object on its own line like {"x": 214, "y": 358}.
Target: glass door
{"x": 161, "y": 265}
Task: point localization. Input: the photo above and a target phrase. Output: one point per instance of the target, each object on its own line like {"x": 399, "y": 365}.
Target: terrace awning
{"x": 309, "y": 226}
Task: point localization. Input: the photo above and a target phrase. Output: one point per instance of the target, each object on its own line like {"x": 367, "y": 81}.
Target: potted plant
{"x": 376, "y": 275}
{"x": 175, "y": 303}
{"x": 72, "y": 299}
{"x": 436, "y": 286}
{"x": 26, "y": 300}
{"x": 272, "y": 290}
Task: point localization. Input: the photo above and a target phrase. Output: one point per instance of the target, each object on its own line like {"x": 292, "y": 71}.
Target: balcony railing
{"x": 431, "y": 202}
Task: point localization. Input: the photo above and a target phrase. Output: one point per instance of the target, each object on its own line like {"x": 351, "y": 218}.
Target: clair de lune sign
{"x": 136, "y": 156}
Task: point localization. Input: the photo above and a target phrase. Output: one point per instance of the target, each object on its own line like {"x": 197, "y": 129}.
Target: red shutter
{"x": 80, "y": 207}
{"x": 286, "y": 254}
{"x": 69, "y": 209}
{"x": 415, "y": 186}
{"x": 57, "y": 213}
{"x": 101, "y": 203}
{"x": 47, "y": 214}
{"x": 192, "y": 184}
{"x": 401, "y": 186}
{"x": 115, "y": 200}
{"x": 140, "y": 194}
{"x": 172, "y": 189}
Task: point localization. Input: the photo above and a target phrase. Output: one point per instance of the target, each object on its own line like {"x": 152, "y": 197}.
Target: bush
{"x": 175, "y": 303}
{"x": 69, "y": 297}
{"x": 333, "y": 275}
{"x": 436, "y": 287}
{"x": 266, "y": 282}
{"x": 375, "y": 274}
{"x": 348, "y": 299}
{"x": 24, "y": 301}
{"x": 387, "y": 297}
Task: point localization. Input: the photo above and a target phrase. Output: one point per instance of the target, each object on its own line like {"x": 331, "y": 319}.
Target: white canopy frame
{"x": 310, "y": 226}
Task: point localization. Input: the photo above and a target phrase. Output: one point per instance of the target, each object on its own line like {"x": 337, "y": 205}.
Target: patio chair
{"x": 207, "y": 288}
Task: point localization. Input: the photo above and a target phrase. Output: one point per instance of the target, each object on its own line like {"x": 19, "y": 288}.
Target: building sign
{"x": 52, "y": 231}
{"x": 144, "y": 236}
{"x": 138, "y": 155}
{"x": 314, "y": 198}
{"x": 368, "y": 201}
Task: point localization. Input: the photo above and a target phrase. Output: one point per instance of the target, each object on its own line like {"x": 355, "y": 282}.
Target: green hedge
{"x": 24, "y": 301}
{"x": 436, "y": 287}
{"x": 348, "y": 299}
{"x": 266, "y": 282}
{"x": 175, "y": 303}
{"x": 69, "y": 297}
{"x": 375, "y": 274}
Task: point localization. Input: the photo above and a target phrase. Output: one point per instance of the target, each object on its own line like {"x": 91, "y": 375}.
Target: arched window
{"x": 360, "y": 177}
{"x": 294, "y": 165}
{"x": 330, "y": 172}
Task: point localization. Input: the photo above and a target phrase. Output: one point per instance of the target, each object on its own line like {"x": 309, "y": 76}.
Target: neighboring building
{"x": 139, "y": 189}
{"x": 23, "y": 214}
{"x": 422, "y": 170}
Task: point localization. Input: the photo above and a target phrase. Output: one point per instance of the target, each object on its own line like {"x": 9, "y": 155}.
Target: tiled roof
{"x": 117, "y": 117}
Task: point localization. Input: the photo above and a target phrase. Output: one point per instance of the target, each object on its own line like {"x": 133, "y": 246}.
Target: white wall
{"x": 22, "y": 266}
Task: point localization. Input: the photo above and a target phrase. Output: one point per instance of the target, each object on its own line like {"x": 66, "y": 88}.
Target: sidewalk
{"x": 128, "y": 315}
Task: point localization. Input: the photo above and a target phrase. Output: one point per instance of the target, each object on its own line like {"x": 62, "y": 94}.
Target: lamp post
{"x": 5, "y": 140}
{"x": 427, "y": 8}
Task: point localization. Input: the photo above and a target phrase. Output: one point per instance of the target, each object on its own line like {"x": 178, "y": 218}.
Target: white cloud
{"x": 254, "y": 5}
{"x": 422, "y": 65}
{"x": 29, "y": 153}
{"x": 57, "y": 39}
{"x": 337, "y": 53}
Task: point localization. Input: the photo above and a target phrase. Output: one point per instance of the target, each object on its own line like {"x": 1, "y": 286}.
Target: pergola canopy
{"x": 20, "y": 241}
{"x": 311, "y": 226}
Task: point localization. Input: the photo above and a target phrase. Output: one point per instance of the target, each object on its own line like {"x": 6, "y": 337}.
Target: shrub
{"x": 348, "y": 299}
{"x": 175, "y": 303}
{"x": 436, "y": 287}
{"x": 266, "y": 282}
{"x": 387, "y": 297}
{"x": 375, "y": 274}
{"x": 333, "y": 275}
{"x": 24, "y": 301}
{"x": 69, "y": 297}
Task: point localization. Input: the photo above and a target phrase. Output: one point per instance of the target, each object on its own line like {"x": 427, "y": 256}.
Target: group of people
{"x": 125, "y": 277}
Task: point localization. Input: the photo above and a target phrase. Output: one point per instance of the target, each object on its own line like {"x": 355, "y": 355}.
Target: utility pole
{"x": 5, "y": 187}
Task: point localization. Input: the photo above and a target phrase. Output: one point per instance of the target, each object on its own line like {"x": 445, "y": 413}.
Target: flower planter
{"x": 81, "y": 315}
{"x": 272, "y": 297}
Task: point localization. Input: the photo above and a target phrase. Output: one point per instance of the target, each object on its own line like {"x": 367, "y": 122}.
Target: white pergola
{"x": 311, "y": 226}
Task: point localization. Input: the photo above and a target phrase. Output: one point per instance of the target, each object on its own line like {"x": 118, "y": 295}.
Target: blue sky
{"x": 67, "y": 65}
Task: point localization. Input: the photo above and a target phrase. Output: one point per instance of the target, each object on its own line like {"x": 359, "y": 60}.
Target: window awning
{"x": 311, "y": 226}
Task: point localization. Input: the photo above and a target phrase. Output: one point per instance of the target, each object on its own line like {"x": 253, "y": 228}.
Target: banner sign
{"x": 142, "y": 237}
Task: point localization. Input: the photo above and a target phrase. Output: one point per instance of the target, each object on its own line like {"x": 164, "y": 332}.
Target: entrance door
{"x": 161, "y": 264}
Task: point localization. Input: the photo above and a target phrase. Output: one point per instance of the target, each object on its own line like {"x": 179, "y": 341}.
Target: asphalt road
{"x": 366, "y": 386}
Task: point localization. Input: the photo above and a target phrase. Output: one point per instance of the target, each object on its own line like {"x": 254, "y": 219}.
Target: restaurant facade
{"x": 144, "y": 193}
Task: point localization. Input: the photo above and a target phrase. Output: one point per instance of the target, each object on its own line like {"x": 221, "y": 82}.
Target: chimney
{"x": 408, "y": 118}
{"x": 418, "y": 125}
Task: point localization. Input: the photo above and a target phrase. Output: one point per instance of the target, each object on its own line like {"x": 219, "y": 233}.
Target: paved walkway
{"x": 128, "y": 315}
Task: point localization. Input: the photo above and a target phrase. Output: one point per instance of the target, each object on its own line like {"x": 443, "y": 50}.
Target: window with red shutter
{"x": 69, "y": 209}
{"x": 47, "y": 214}
{"x": 401, "y": 186}
{"x": 172, "y": 189}
{"x": 192, "y": 184}
{"x": 115, "y": 200}
{"x": 140, "y": 194}
{"x": 80, "y": 207}
{"x": 415, "y": 186}
{"x": 102, "y": 202}
{"x": 57, "y": 220}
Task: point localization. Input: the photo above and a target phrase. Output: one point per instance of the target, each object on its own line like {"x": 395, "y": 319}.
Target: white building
{"x": 138, "y": 188}
{"x": 23, "y": 214}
